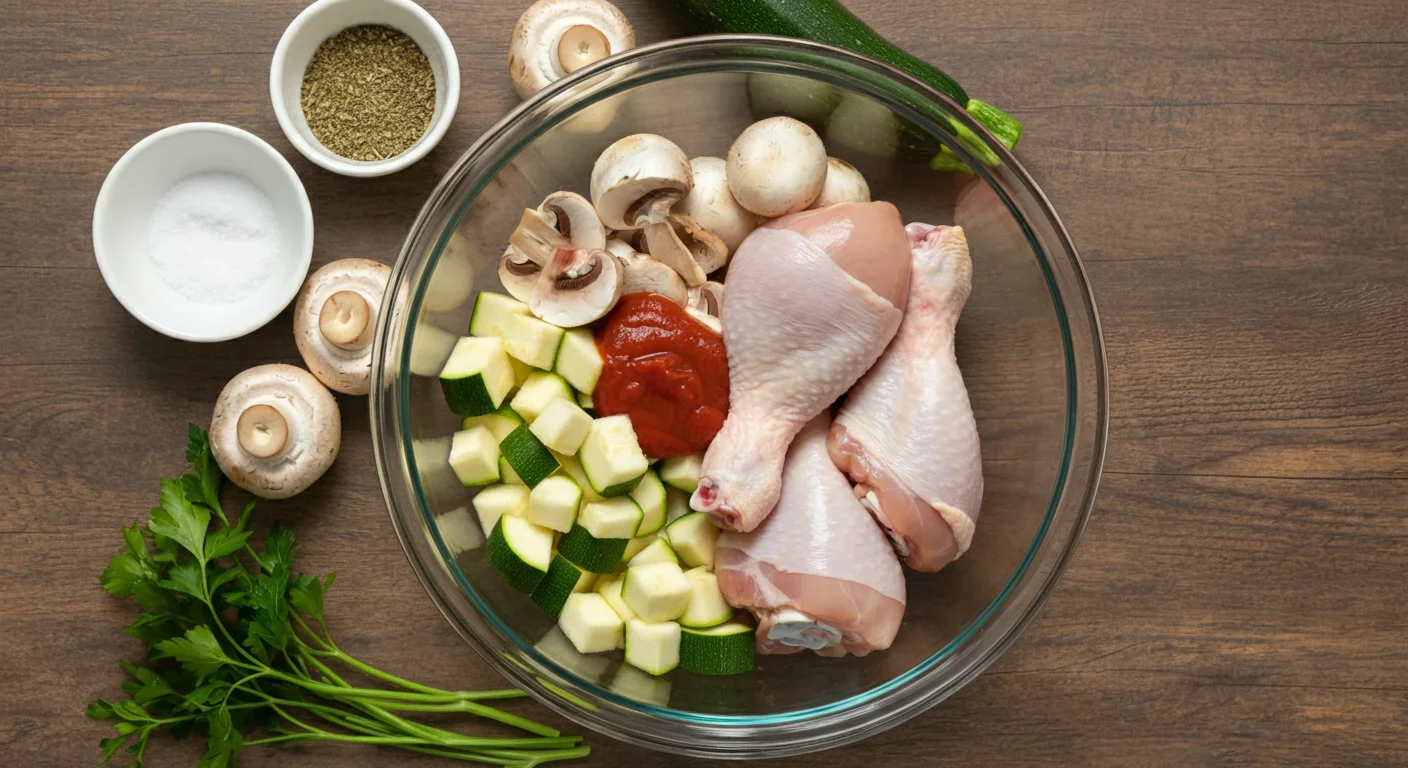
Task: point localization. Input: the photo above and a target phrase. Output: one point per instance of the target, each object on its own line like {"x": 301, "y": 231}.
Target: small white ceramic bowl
{"x": 324, "y": 19}
{"x": 130, "y": 193}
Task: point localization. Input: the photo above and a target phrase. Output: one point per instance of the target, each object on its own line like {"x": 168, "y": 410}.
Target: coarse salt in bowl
{"x": 203, "y": 232}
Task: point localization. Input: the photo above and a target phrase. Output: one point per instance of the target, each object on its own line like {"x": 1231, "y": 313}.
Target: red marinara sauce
{"x": 665, "y": 370}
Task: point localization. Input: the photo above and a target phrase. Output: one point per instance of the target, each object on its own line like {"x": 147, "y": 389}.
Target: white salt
{"x": 214, "y": 238}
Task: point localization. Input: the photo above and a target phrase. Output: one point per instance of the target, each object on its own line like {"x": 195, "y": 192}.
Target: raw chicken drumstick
{"x": 813, "y": 299}
{"x": 817, "y": 573}
{"x": 906, "y": 434}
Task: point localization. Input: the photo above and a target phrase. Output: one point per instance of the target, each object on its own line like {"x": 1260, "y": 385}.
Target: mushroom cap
{"x": 535, "y": 50}
{"x": 776, "y": 166}
{"x": 636, "y": 180}
{"x": 646, "y": 275}
{"x": 844, "y": 184}
{"x": 518, "y": 273}
{"x": 575, "y": 219}
{"x": 344, "y": 367}
{"x": 314, "y": 430}
{"x": 710, "y": 203}
{"x": 576, "y": 287}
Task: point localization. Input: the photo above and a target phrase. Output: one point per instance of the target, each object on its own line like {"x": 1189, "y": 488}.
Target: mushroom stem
{"x": 261, "y": 431}
{"x": 345, "y": 319}
{"x": 582, "y": 45}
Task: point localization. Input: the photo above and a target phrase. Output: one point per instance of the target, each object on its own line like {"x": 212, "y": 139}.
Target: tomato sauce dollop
{"x": 665, "y": 370}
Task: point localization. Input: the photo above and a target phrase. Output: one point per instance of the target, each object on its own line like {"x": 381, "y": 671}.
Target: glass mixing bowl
{"x": 1028, "y": 343}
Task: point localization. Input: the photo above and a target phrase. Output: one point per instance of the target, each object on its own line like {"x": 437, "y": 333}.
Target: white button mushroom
{"x": 518, "y": 273}
{"x": 576, "y": 287}
{"x": 275, "y": 431}
{"x": 689, "y": 249}
{"x": 844, "y": 184}
{"x": 646, "y": 275}
{"x": 334, "y": 320}
{"x": 708, "y": 298}
{"x": 776, "y": 166}
{"x": 554, "y": 38}
{"x": 711, "y": 204}
{"x": 575, "y": 219}
{"x": 636, "y": 181}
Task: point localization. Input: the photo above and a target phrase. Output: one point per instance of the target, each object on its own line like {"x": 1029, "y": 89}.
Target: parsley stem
{"x": 490, "y": 713}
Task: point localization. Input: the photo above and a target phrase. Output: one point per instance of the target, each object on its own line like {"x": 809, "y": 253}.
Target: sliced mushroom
{"x": 708, "y": 298}
{"x": 711, "y": 204}
{"x": 519, "y": 274}
{"x": 536, "y": 237}
{"x": 686, "y": 247}
{"x": 637, "y": 180}
{"x": 275, "y": 431}
{"x": 555, "y": 38}
{"x": 776, "y": 166}
{"x": 646, "y": 275}
{"x": 844, "y": 184}
{"x": 334, "y": 320}
{"x": 577, "y": 286}
{"x": 620, "y": 248}
{"x": 575, "y": 219}
{"x": 707, "y": 320}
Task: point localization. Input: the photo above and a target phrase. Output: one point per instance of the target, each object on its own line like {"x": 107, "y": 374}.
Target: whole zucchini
{"x": 827, "y": 21}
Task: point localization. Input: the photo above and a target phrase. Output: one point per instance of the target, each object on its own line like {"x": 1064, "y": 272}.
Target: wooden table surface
{"x": 1235, "y": 174}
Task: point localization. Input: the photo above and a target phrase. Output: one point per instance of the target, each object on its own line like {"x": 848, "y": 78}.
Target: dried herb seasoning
{"x": 368, "y": 93}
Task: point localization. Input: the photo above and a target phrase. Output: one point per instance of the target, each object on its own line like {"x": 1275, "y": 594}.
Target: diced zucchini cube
{"x": 555, "y": 646}
{"x": 530, "y": 459}
{"x": 573, "y": 469}
{"x": 498, "y": 500}
{"x": 459, "y": 531}
{"x": 590, "y": 623}
{"x": 553, "y": 503}
{"x": 578, "y": 360}
{"x": 500, "y": 422}
{"x": 650, "y": 495}
{"x": 611, "y": 456}
{"x": 491, "y": 313}
{"x": 585, "y": 400}
{"x": 537, "y": 392}
{"x": 657, "y": 551}
{"x": 477, "y": 377}
{"x": 676, "y": 505}
{"x": 531, "y": 340}
{"x": 506, "y": 474}
{"x": 653, "y": 647}
{"x": 682, "y": 472}
{"x": 562, "y": 426}
{"x": 656, "y": 592}
{"x": 707, "y": 607}
{"x": 634, "y": 546}
{"x": 474, "y": 455}
{"x": 615, "y": 518}
{"x": 609, "y": 587}
{"x": 693, "y": 537}
{"x": 520, "y": 552}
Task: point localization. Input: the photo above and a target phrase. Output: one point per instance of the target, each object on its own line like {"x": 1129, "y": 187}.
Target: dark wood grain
{"x": 1234, "y": 173}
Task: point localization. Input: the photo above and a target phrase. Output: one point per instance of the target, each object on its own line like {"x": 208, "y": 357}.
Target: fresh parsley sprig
{"x": 238, "y": 648}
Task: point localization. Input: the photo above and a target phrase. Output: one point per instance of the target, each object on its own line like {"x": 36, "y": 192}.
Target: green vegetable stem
{"x": 239, "y": 653}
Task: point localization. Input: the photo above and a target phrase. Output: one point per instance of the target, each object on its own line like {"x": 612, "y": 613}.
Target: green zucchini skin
{"x": 823, "y": 21}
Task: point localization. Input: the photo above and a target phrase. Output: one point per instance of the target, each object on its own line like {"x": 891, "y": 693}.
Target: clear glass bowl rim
{"x": 743, "y": 736}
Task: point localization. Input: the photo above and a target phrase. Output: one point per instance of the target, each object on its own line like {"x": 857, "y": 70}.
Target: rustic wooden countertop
{"x": 1234, "y": 173}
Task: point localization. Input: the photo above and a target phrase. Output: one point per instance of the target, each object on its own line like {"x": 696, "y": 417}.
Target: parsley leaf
{"x": 197, "y": 650}
{"x": 179, "y": 520}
